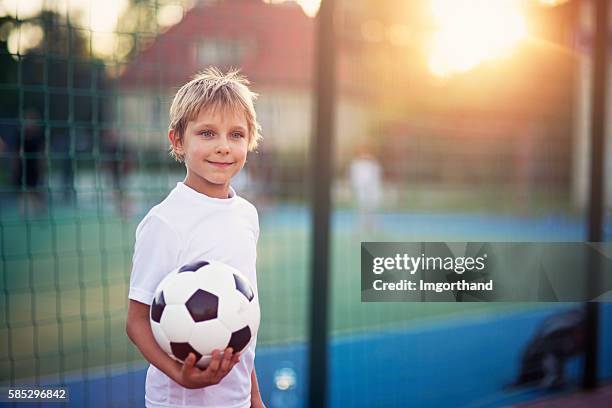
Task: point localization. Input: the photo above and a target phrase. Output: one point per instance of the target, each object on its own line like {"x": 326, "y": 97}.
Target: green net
{"x": 83, "y": 118}
{"x": 483, "y": 150}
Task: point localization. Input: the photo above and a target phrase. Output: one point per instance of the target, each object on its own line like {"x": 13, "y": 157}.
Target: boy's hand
{"x": 193, "y": 377}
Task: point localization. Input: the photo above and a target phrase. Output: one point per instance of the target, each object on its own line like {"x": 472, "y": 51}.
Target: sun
{"x": 470, "y": 32}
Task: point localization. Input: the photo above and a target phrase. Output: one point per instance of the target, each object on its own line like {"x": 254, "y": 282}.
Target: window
{"x": 215, "y": 51}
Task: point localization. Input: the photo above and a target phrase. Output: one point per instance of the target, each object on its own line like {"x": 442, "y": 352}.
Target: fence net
{"x": 433, "y": 142}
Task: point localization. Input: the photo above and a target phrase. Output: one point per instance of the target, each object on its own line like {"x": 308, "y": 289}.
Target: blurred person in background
{"x": 366, "y": 183}
{"x": 28, "y": 166}
{"x": 262, "y": 179}
{"x": 62, "y": 146}
{"x": 9, "y": 148}
{"x": 118, "y": 162}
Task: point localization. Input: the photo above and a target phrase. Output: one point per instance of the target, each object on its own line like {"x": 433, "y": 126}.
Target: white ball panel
{"x": 180, "y": 288}
{"x": 160, "y": 337}
{"x": 209, "y": 335}
{"x": 229, "y": 305}
{"x": 164, "y": 281}
{"x": 234, "y": 318}
{"x": 253, "y": 317}
{"x": 224, "y": 267}
{"x": 216, "y": 278}
{"x": 177, "y": 323}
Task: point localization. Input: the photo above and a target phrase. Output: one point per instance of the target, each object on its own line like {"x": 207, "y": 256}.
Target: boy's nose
{"x": 223, "y": 146}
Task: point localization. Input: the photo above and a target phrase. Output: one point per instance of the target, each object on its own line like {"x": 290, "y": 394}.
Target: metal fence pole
{"x": 595, "y": 215}
{"x": 321, "y": 178}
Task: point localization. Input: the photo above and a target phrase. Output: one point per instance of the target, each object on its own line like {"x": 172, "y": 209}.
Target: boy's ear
{"x": 175, "y": 141}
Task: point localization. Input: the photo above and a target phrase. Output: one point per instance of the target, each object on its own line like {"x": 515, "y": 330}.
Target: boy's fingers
{"x": 227, "y": 359}
{"x": 215, "y": 362}
{"x": 190, "y": 360}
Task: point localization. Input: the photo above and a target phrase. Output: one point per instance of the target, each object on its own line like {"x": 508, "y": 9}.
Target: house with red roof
{"x": 272, "y": 44}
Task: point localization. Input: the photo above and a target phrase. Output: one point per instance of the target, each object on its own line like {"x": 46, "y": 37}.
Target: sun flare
{"x": 470, "y": 32}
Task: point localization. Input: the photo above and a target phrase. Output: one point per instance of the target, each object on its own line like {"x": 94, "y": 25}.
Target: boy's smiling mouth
{"x": 219, "y": 164}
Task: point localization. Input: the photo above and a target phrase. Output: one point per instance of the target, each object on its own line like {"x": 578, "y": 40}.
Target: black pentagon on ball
{"x": 243, "y": 287}
{"x": 240, "y": 339}
{"x": 182, "y": 350}
{"x": 157, "y": 307}
{"x": 194, "y": 266}
{"x": 202, "y": 306}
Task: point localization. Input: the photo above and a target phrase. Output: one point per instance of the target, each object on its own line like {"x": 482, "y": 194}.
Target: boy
{"x": 212, "y": 126}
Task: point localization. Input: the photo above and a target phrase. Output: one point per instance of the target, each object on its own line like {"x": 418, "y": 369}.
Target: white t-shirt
{"x": 185, "y": 227}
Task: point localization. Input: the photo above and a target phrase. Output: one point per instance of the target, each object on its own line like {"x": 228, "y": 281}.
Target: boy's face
{"x": 215, "y": 148}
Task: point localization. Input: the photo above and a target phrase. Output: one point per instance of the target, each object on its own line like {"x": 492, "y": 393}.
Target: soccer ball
{"x": 201, "y": 307}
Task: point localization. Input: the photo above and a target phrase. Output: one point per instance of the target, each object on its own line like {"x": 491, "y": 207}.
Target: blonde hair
{"x": 212, "y": 89}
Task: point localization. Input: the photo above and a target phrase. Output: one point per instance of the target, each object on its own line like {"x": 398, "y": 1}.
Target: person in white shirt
{"x": 212, "y": 127}
{"x": 366, "y": 183}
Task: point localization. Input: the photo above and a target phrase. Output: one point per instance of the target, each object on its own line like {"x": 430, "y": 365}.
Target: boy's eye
{"x": 237, "y": 135}
{"x": 207, "y": 133}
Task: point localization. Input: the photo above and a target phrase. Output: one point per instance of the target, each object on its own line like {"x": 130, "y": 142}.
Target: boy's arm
{"x": 138, "y": 329}
{"x": 256, "y": 401}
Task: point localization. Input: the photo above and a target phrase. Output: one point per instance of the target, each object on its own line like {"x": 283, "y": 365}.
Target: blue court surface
{"x": 440, "y": 226}
{"x": 455, "y": 363}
